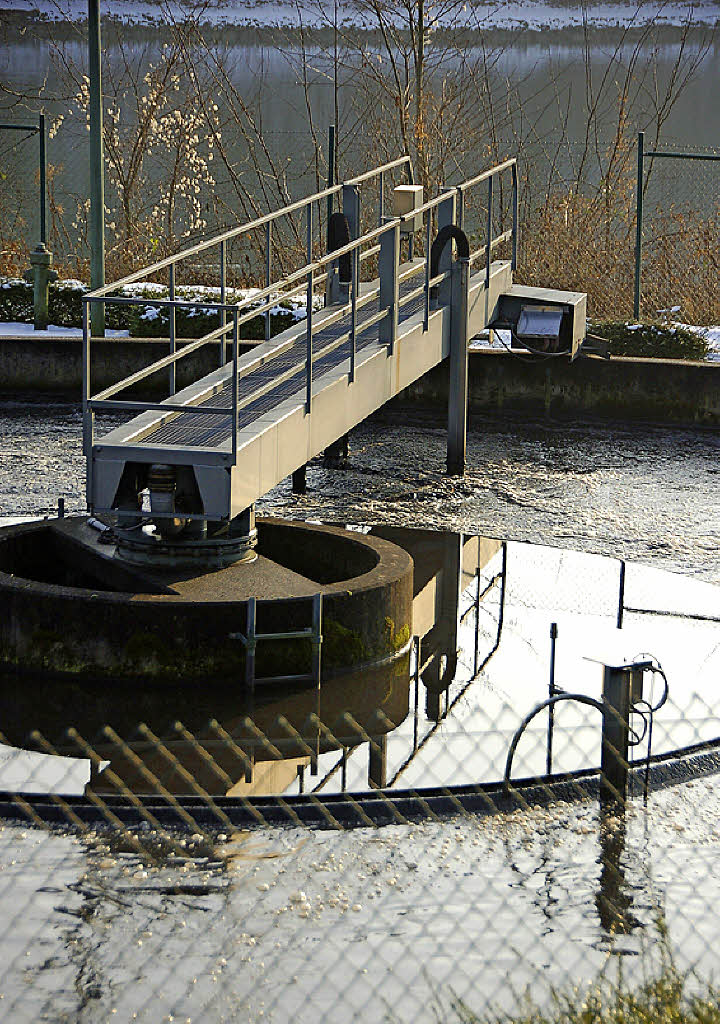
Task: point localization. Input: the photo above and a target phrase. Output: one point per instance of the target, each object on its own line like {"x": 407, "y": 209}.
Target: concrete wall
{"x": 665, "y": 390}
{"x": 55, "y": 364}
{"x": 662, "y": 390}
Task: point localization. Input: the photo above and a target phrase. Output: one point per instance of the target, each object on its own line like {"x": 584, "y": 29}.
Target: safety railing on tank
{"x": 382, "y": 241}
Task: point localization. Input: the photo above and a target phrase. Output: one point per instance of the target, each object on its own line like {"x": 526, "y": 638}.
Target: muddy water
{"x": 371, "y": 924}
{"x": 644, "y": 493}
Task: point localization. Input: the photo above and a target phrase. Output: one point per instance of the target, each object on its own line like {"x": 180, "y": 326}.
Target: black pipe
{"x": 445, "y": 235}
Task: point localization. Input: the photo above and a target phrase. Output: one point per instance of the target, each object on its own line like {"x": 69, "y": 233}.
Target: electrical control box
{"x": 406, "y": 199}
{"x": 542, "y": 319}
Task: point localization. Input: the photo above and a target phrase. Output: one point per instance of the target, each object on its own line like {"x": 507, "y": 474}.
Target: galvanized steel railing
{"x": 383, "y": 241}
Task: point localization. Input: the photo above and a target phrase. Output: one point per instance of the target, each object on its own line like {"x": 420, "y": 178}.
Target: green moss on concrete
{"x": 395, "y": 639}
{"x": 342, "y": 646}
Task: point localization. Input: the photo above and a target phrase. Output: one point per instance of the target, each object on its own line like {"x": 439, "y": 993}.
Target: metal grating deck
{"x": 215, "y": 430}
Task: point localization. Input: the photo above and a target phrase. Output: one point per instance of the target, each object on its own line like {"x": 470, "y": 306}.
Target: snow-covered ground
{"x": 19, "y": 330}
{"x": 268, "y": 13}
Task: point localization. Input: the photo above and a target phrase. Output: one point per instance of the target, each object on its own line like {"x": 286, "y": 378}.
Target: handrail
{"x": 242, "y": 229}
{"x": 490, "y": 173}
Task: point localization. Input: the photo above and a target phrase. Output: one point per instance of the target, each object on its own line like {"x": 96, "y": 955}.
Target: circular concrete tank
{"x": 70, "y": 609}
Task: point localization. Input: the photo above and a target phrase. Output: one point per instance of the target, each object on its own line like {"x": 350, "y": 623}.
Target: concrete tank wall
{"x": 661, "y": 390}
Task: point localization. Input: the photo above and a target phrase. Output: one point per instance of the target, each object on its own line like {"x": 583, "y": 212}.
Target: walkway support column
{"x": 458, "y": 384}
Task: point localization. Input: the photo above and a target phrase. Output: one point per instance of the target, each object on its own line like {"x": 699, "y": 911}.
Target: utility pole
{"x": 97, "y": 181}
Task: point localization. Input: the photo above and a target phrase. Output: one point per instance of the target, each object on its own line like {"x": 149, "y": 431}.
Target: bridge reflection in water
{"x": 216, "y": 741}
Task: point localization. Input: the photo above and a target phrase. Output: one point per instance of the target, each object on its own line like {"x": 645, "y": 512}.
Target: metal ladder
{"x": 251, "y": 638}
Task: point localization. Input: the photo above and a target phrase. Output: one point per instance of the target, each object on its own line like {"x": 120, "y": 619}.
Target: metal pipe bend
{"x": 581, "y": 698}
{"x": 445, "y": 235}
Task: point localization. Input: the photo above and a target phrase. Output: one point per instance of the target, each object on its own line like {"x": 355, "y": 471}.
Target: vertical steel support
{"x": 88, "y": 415}
{"x": 172, "y": 326}
{"x": 615, "y": 735}
{"x": 351, "y": 208}
{"x": 515, "y": 218}
{"x": 250, "y": 649}
{"x": 488, "y": 251}
{"x": 309, "y": 317}
{"x": 551, "y": 693}
{"x": 343, "y": 770}
{"x": 355, "y": 270}
{"x": 268, "y": 272}
{"x": 416, "y": 715}
{"x": 377, "y": 762}
{"x": 446, "y": 215}
{"x": 639, "y": 223}
{"x": 43, "y": 179}
{"x": 223, "y": 300}
{"x": 460, "y": 212}
{"x": 381, "y": 203}
{"x": 351, "y": 212}
{"x": 428, "y": 244}
{"x": 458, "y": 385}
{"x": 621, "y": 596}
{"x": 317, "y": 639}
{"x": 97, "y": 180}
{"x": 388, "y": 263}
{"x": 235, "y": 398}
{"x": 476, "y": 655}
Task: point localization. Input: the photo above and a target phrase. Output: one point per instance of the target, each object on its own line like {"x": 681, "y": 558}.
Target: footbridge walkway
{"x": 379, "y": 316}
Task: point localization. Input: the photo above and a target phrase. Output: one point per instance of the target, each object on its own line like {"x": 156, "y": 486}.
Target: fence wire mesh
{"x": 681, "y": 224}
{"x": 362, "y": 850}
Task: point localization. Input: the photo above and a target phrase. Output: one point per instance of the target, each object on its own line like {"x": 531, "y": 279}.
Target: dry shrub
{"x": 583, "y": 244}
{"x": 587, "y": 243}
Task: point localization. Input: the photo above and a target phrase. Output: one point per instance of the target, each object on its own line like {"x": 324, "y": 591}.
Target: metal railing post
{"x": 639, "y": 224}
{"x": 268, "y": 272}
{"x": 235, "y": 398}
{"x": 381, "y": 204}
{"x": 88, "y": 415}
{"x": 355, "y": 269}
{"x": 515, "y": 203}
{"x": 488, "y": 252}
{"x": 309, "y": 317}
{"x": 223, "y": 299}
{"x": 388, "y": 263}
{"x": 428, "y": 237}
{"x": 173, "y": 339}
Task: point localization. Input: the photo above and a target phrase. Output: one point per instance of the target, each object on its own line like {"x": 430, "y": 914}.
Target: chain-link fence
{"x": 679, "y": 261}
{"x": 363, "y": 849}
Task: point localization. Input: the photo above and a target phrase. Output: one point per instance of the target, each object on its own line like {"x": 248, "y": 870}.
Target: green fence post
{"x": 97, "y": 183}
{"x": 638, "y": 225}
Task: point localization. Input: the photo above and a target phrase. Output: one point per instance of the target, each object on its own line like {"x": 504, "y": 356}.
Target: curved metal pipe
{"x": 445, "y": 235}
{"x": 581, "y": 698}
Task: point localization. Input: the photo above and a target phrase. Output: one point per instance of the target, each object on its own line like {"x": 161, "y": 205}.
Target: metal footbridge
{"x": 379, "y": 316}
